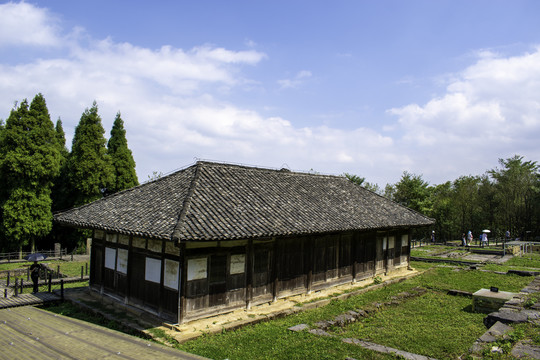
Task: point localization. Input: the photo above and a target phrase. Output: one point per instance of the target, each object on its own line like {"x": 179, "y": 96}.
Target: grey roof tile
{"x": 211, "y": 201}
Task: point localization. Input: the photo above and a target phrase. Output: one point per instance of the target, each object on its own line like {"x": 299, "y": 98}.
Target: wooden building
{"x": 216, "y": 237}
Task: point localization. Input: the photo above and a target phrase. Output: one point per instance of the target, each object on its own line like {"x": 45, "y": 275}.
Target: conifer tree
{"x": 60, "y": 195}
{"x": 29, "y": 162}
{"x": 89, "y": 167}
{"x": 121, "y": 157}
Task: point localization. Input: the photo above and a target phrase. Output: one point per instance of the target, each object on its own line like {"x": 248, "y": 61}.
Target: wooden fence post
{"x": 21, "y": 285}
{"x": 16, "y": 287}
{"x": 62, "y": 289}
{"x": 82, "y": 272}
{"x": 50, "y": 281}
{"x": 7, "y": 283}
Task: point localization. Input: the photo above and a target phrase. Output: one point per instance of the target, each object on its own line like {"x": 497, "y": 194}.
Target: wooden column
{"x": 386, "y": 253}
{"x": 90, "y": 275}
{"x": 409, "y": 249}
{"x": 309, "y": 265}
{"x": 353, "y": 254}
{"x": 103, "y": 247}
{"x": 162, "y": 278}
{"x": 249, "y": 274}
{"x": 182, "y": 284}
{"x": 129, "y": 270}
{"x": 275, "y": 264}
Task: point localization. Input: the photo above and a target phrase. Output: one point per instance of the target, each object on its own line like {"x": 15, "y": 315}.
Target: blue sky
{"x": 374, "y": 88}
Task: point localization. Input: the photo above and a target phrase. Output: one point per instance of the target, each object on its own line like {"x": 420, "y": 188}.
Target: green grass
{"x": 68, "y": 268}
{"x": 434, "y": 314}
{"x": 527, "y": 260}
{"x": 433, "y": 324}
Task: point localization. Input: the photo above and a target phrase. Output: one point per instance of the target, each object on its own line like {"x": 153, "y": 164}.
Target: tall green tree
{"x": 517, "y": 184}
{"x": 362, "y": 182}
{"x": 443, "y": 211}
{"x": 60, "y": 194}
{"x": 29, "y": 163}
{"x": 89, "y": 167}
{"x": 413, "y": 192}
{"x": 121, "y": 157}
{"x": 467, "y": 202}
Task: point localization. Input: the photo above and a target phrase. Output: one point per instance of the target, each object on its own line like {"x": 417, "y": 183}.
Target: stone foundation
{"x": 487, "y": 301}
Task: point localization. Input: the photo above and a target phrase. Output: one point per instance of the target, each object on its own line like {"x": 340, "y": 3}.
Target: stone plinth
{"x": 487, "y": 301}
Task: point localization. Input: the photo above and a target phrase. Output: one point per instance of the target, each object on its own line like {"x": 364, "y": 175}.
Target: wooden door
{"x": 217, "y": 280}
{"x": 96, "y": 264}
{"x": 262, "y": 261}
{"x": 345, "y": 255}
{"x": 136, "y": 270}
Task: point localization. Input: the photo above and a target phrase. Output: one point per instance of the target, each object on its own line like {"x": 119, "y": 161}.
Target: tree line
{"x": 506, "y": 198}
{"x": 39, "y": 175}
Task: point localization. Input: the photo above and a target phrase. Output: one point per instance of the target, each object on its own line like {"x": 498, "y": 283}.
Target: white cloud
{"x": 25, "y": 24}
{"x": 489, "y": 110}
{"x": 296, "y": 81}
{"x": 172, "y": 104}
{"x": 172, "y": 110}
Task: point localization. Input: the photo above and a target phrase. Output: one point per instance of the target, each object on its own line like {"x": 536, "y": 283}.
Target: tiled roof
{"x": 214, "y": 201}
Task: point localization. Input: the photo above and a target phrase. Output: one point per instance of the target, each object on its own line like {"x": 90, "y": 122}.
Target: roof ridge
{"x": 187, "y": 201}
{"x": 265, "y": 168}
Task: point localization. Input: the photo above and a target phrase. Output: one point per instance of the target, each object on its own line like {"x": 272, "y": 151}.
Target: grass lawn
{"x": 525, "y": 262}
{"x": 433, "y": 324}
{"x": 69, "y": 268}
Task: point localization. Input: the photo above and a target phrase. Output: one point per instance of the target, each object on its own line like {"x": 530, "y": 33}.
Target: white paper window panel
{"x": 110, "y": 258}
{"x": 237, "y": 264}
{"x": 384, "y": 243}
{"x": 391, "y": 241}
{"x": 404, "y": 240}
{"x": 197, "y": 269}
{"x": 171, "y": 274}
{"x": 153, "y": 270}
{"x": 122, "y": 261}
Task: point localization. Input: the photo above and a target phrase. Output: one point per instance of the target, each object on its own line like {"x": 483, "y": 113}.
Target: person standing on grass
{"x": 34, "y": 274}
{"x": 463, "y": 240}
{"x": 484, "y": 239}
{"x": 469, "y": 238}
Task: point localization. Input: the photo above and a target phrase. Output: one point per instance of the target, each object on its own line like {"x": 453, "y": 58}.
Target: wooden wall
{"x": 137, "y": 271}
{"x": 222, "y": 276}
{"x": 219, "y": 276}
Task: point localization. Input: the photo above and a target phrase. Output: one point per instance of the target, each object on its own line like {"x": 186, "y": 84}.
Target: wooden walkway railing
{"x": 19, "y": 294}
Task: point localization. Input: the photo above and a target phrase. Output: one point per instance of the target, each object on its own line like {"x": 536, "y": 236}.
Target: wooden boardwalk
{"x": 28, "y": 299}
{"x": 32, "y": 333}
